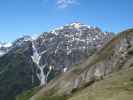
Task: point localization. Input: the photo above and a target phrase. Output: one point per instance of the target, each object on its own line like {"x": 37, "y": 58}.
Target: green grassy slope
{"x": 117, "y": 86}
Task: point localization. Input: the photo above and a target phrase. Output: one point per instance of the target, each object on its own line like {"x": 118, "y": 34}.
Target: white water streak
{"x": 36, "y": 59}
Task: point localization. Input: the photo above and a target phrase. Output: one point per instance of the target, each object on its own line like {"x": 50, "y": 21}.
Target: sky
{"x": 32, "y": 17}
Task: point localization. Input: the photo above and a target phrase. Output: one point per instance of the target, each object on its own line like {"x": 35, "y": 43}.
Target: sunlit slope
{"x": 117, "y": 86}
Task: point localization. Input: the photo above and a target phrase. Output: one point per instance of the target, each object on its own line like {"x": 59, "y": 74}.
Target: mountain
{"x": 111, "y": 66}
{"x": 4, "y": 48}
{"x": 16, "y": 70}
{"x": 33, "y": 63}
{"x": 69, "y": 45}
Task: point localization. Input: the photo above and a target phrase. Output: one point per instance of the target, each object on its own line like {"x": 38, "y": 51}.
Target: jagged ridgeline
{"x": 29, "y": 63}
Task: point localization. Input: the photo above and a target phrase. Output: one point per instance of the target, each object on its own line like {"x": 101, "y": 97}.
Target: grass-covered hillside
{"x": 117, "y": 86}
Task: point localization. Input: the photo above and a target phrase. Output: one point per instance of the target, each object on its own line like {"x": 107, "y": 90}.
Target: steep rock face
{"x": 67, "y": 46}
{"x": 114, "y": 56}
{"x": 70, "y": 44}
{"x": 58, "y": 50}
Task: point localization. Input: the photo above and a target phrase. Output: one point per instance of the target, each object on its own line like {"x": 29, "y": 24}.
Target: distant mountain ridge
{"x": 4, "y": 48}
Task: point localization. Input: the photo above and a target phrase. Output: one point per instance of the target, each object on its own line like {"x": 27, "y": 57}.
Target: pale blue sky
{"x": 30, "y": 17}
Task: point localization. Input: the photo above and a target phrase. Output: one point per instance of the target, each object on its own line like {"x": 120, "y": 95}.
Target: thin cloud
{"x": 66, "y": 3}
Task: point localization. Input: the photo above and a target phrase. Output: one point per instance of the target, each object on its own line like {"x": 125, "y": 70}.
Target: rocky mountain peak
{"x": 20, "y": 41}
{"x": 72, "y": 42}
{"x": 74, "y": 26}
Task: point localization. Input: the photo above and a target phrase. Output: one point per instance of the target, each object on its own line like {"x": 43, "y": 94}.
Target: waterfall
{"x": 36, "y": 57}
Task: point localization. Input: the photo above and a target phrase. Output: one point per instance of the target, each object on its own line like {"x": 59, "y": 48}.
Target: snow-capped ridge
{"x": 75, "y": 25}
{"x": 5, "y": 44}
{"x": 21, "y": 40}
{"x": 4, "y": 47}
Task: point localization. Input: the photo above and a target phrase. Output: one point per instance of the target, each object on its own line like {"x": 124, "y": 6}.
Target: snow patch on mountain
{"x": 36, "y": 59}
{"x": 4, "y": 48}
